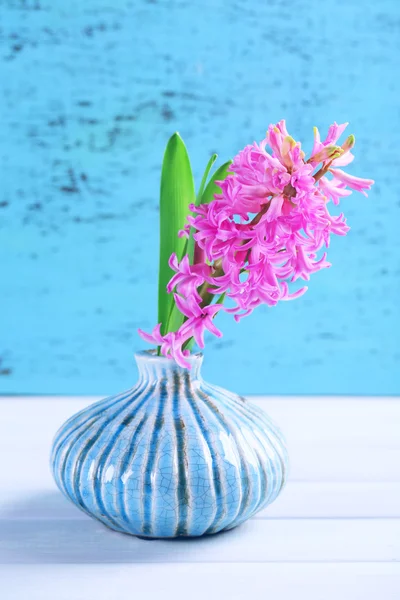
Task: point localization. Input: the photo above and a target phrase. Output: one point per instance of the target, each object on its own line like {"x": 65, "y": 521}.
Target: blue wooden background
{"x": 91, "y": 91}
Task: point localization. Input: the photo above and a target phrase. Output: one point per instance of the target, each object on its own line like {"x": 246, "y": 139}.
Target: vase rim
{"x": 151, "y": 356}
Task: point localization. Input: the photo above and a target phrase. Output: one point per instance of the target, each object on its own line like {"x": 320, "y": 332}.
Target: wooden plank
{"x": 354, "y": 581}
{"x": 40, "y": 499}
{"x": 343, "y": 440}
{"x": 340, "y": 439}
{"x": 281, "y": 540}
{"x": 332, "y": 500}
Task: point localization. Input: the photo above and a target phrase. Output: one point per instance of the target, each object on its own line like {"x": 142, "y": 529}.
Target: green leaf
{"x": 190, "y": 242}
{"x": 212, "y": 188}
{"x": 204, "y": 179}
{"x": 176, "y": 194}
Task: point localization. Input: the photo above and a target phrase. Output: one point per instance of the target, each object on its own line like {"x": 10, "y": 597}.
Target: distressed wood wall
{"x": 90, "y": 92}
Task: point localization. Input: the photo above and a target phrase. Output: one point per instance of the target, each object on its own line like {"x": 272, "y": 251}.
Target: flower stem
{"x": 322, "y": 171}
{"x": 259, "y": 215}
{"x": 207, "y": 296}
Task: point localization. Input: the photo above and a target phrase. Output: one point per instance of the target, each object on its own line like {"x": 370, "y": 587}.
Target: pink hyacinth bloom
{"x": 199, "y": 319}
{"x": 266, "y": 227}
{"x": 157, "y": 339}
{"x": 173, "y": 349}
{"x": 304, "y": 264}
{"x": 259, "y": 174}
{"x": 188, "y": 277}
{"x": 334, "y": 133}
{"x": 284, "y": 147}
{"x": 216, "y": 229}
{"x": 333, "y": 189}
{"x": 154, "y": 337}
{"x": 302, "y": 179}
{"x": 171, "y": 344}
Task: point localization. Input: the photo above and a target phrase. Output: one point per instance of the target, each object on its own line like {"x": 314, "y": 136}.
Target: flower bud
{"x": 349, "y": 143}
{"x": 327, "y": 153}
{"x": 288, "y": 144}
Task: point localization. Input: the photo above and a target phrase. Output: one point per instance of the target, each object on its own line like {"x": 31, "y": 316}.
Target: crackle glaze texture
{"x": 173, "y": 456}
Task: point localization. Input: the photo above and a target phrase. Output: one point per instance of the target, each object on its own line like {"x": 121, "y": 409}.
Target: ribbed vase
{"x": 173, "y": 456}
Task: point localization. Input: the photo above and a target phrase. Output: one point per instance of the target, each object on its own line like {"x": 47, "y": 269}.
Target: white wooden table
{"x": 334, "y": 534}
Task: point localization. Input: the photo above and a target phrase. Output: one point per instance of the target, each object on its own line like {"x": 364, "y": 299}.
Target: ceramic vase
{"x": 173, "y": 456}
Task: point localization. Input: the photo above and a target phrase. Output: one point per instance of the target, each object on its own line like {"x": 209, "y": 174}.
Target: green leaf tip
{"x": 205, "y": 177}
{"x": 212, "y": 188}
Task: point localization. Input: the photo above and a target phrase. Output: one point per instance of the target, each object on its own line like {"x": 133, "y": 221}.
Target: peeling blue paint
{"x": 91, "y": 92}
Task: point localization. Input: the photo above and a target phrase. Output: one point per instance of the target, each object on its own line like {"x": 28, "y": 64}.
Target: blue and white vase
{"x": 173, "y": 456}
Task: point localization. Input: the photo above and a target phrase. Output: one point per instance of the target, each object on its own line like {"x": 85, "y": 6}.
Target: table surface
{"x": 333, "y": 533}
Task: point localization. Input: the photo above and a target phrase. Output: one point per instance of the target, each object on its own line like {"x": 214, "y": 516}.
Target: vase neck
{"x": 156, "y": 368}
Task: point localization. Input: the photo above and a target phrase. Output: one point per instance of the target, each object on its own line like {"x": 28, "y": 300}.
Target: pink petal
{"x": 173, "y": 262}
{"x": 343, "y": 160}
{"x": 183, "y": 306}
{"x": 334, "y": 133}
{"x": 212, "y": 328}
{"x": 356, "y": 183}
{"x": 198, "y": 332}
{"x": 275, "y": 208}
{"x": 154, "y": 337}
{"x": 188, "y": 307}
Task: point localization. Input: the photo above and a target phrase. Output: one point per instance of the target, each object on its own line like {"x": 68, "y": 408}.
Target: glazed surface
{"x": 173, "y": 456}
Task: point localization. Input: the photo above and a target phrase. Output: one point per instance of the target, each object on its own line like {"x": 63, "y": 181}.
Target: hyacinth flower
{"x": 255, "y": 227}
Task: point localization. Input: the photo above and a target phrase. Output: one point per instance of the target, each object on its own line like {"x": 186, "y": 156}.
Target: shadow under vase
{"x": 47, "y": 529}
